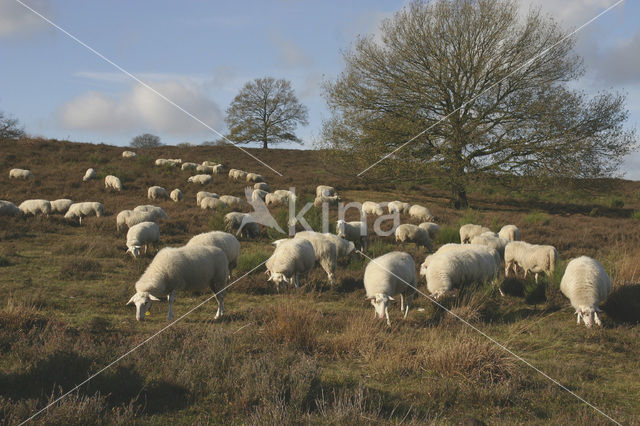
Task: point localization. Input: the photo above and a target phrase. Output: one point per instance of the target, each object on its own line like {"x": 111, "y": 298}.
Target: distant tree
{"x": 266, "y": 110}
{"x": 478, "y": 89}
{"x": 146, "y": 140}
{"x": 9, "y": 128}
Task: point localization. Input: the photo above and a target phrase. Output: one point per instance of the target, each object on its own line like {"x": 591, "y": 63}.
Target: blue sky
{"x": 200, "y": 54}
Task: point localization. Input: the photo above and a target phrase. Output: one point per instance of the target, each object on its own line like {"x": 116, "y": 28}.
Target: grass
{"x": 538, "y": 218}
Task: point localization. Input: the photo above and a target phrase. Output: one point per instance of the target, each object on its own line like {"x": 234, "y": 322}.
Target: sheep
{"x": 141, "y": 235}
{"x": 254, "y": 178}
{"x": 156, "y": 212}
{"x": 330, "y": 201}
{"x": 279, "y": 197}
{"x": 128, "y": 154}
{"x": 7, "y": 208}
{"x": 176, "y": 195}
{"x": 20, "y": 174}
{"x": 398, "y": 207}
{"x": 472, "y": 247}
{"x": 188, "y": 166}
{"x": 237, "y": 175}
{"x": 408, "y": 233}
{"x": 201, "y": 179}
{"x": 212, "y": 204}
{"x": 174, "y": 161}
{"x": 242, "y": 223}
{"x": 585, "y": 283}
{"x": 204, "y": 194}
{"x": 421, "y": 213}
{"x": 217, "y": 169}
{"x": 61, "y": 206}
{"x": 344, "y": 247}
{"x": 468, "y": 231}
{"x": 325, "y": 191}
{"x": 432, "y": 228}
{"x": 134, "y": 217}
{"x": 157, "y": 192}
{"x": 204, "y": 169}
{"x": 258, "y": 194}
{"x": 234, "y": 203}
{"x": 210, "y": 163}
{"x": 35, "y": 207}
{"x": 326, "y": 251}
{"x": 369, "y": 207}
{"x": 224, "y": 241}
{"x": 530, "y": 257}
{"x": 112, "y": 182}
{"x": 89, "y": 174}
{"x": 354, "y": 231}
{"x": 291, "y": 258}
{"x": 490, "y": 239}
{"x": 185, "y": 268}
{"x": 83, "y": 209}
{"x": 262, "y": 185}
{"x": 163, "y": 162}
{"x": 510, "y": 232}
{"x": 384, "y": 277}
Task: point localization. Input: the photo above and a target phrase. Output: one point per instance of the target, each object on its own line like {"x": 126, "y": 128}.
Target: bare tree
{"x": 489, "y": 85}
{"x": 9, "y": 128}
{"x": 146, "y": 140}
{"x": 266, "y": 110}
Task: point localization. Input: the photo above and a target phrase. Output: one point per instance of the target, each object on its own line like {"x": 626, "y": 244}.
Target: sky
{"x": 199, "y": 55}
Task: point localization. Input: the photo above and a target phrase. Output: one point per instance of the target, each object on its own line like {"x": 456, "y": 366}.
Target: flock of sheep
{"x": 208, "y": 259}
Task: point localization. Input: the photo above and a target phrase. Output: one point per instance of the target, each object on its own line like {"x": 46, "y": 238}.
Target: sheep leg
{"x": 536, "y": 276}
{"x": 579, "y": 316}
{"x": 401, "y": 302}
{"x": 170, "y": 298}
{"x": 220, "y": 312}
{"x": 596, "y": 318}
{"x": 296, "y": 280}
{"x": 409, "y": 303}
{"x": 386, "y": 313}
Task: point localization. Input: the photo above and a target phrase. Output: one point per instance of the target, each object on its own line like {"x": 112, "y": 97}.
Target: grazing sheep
{"x": 279, "y": 197}
{"x": 186, "y": 268}
{"x": 369, "y": 207}
{"x": 330, "y": 201}
{"x": 325, "y": 191}
{"x": 7, "y": 208}
{"x": 345, "y": 247}
{"x": 204, "y": 169}
{"x": 510, "y": 232}
{"x": 258, "y": 194}
{"x": 141, "y": 235}
{"x": 242, "y": 223}
{"x": 188, "y": 166}
{"x": 408, "y": 233}
{"x": 421, "y": 213}
{"x": 112, "y": 182}
{"x": 134, "y": 217}
{"x": 224, "y": 241}
{"x": 490, "y": 239}
{"x": 157, "y": 192}
{"x": 325, "y": 251}
{"x": 210, "y": 203}
{"x": 204, "y": 194}
{"x": 585, "y": 283}
{"x": 201, "y": 179}
{"x": 175, "y": 161}
{"x": 354, "y": 231}
{"x": 217, "y": 169}
{"x": 468, "y": 231}
{"x": 209, "y": 163}
{"x": 291, "y": 258}
{"x": 156, "y": 212}
{"x": 530, "y": 257}
{"x": 234, "y": 203}
{"x": 83, "y": 209}
{"x": 398, "y": 207}
{"x": 128, "y": 154}
{"x": 61, "y": 206}
{"x": 35, "y": 207}
{"x": 163, "y": 162}
{"x": 237, "y": 175}
{"x": 262, "y": 185}
{"x": 89, "y": 174}
{"x": 254, "y": 178}
{"x": 20, "y": 174}
{"x": 432, "y": 228}
{"x": 385, "y": 276}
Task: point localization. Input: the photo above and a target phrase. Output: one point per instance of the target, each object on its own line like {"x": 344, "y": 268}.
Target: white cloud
{"x": 289, "y": 53}
{"x": 139, "y": 109}
{"x": 570, "y": 13}
{"x": 16, "y": 20}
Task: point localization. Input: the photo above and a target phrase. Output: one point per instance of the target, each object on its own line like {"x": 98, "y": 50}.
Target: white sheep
{"x": 204, "y": 194}
{"x": 354, "y": 231}
{"x": 201, "y": 179}
{"x": 112, "y": 182}
{"x": 7, "y": 208}
{"x": 510, "y": 232}
{"x": 531, "y": 258}
{"x": 330, "y": 201}
{"x": 224, "y": 241}
{"x": 83, "y": 209}
{"x": 386, "y": 276}
{"x": 174, "y": 161}
{"x": 408, "y": 233}
{"x": 176, "y": 195}
{"x": 234, "y": 203}
{"x": 35, "y": 207}
{"x": 157, "y": 192}
{"x": 237, "y": 175}
{"x": 210, "y": 203}
{"x": 468, "y": 231}
{"x": 128, "y": 154}
{"x": 20, "y": 174}
{"x": 432, "y": 228}
{"x": 254, "y": 178}
{"x": 186, "y": 268}
{"x": 242, "y": 223}
{"x": 291, "y": 258}
{"x": 325, "y": 250}
{"x": 421, "y": 213}
{"x": 279, "y": 197}
{"x": 204, "y": 169}
{"x": 134, "y": 217}
{"x": 490, "y": 239}
{"x": 398, "y": 207}
{"x": 369, "y": 207}
{"x": 163, "y": 162}
{"x": 217, "y": 169}
{"x": 89, "y": 174}
{"x": 188, "y": 166}
{"x": 61, "y": 205}
{"x": 345, "y": 247}
{"x": 258, "y": 194}
{"x": 209, "y": 163}
{"x": 325, "y": 191}
{"x": 141, "y": 235}
{"x": 585, "y": 283}
{"x": 262, "y": 185}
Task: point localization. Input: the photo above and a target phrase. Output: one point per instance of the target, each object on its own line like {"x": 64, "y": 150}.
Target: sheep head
{"x": 379, "y": 302}
{"x": 142, "y": 300}
{"x": 134, "y": 251}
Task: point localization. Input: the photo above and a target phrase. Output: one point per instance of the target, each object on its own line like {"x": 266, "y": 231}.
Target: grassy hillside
{"x": 313, "y": 355}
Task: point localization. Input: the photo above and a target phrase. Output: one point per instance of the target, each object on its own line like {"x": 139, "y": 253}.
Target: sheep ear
{"x": 155, "y": 299}
{"x": 131, "y": 300}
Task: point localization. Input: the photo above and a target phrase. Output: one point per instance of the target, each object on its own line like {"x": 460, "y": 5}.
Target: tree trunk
{"x": 264, "y": 144}
{"x": 460, "y": 201}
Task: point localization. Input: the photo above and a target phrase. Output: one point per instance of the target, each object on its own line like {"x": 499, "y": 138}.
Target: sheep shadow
{"x": 623, "y": 304}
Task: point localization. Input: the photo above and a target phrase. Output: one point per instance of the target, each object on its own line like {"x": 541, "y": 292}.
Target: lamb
{"x": 20, "y": 174}
{"x": 89, "y": 174}
{"x": 201, "y": 179}
{"x": 128, "y": 154}
{"x": 243, "y": 223}
{"x": 421, "y": 213}
{"x": 490, "y": 239}
{"x": 279, "y": 197}
{"x": 432, "y": 228}
{"x": 408, "y": 233}
{"x": 262, "y": 185}
{"x": 83, "y": 209}
{"x": 188, "y": 166}
{"x": 344, "y": 247}
{"x": 369, "y": 207}
{"x": 291, "y": 258}
{"x": 258, "y": 194}
{"x": 176, "y": 195}
{"x": 234, "y": 203}
{"x": 510, "y": 232}
{"x": 398, "y": 207}
{"x": 354, "y": 231}
{"x": 531, "y": 258}
{"x": 112, "y": 182}
{"x": 325, "y": 191}
{"x": 7, "y": 208}
{"x": 61, "y": 206}
{"x": 326, "y": 252}
{"x": 157, "y": 192}
{"x": 141, "y": 235}
{"x": 385, "y": 276}
{"x": 35, "y": 207}
{"x": 468, "y": 231}
{"x": 585, "y": 283}
{"x": 254, "y": 178}
{"x": 224, "y": 241}
{"x": 186, "y": 268}
{"x": 211, "y": 203}
{"x": 204, "y": 194}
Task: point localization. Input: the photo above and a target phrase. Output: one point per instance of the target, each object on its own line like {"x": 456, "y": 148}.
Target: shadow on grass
{"x": 623, "y": 304}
